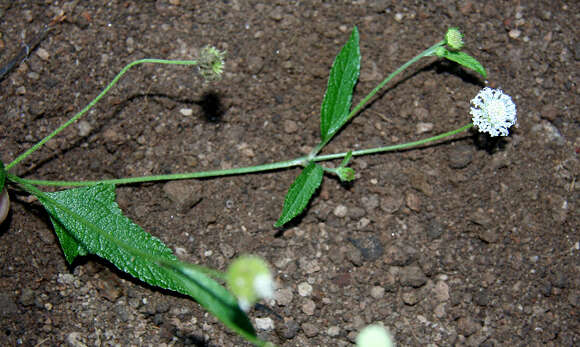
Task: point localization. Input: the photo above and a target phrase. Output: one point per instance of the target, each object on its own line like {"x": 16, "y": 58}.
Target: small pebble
{"x": 370, "y": 202}
{"x": 284, "y": 296}
{"x": 440, "y": 310}
{"x": 290, "y": 126}
{"x": 333, "y": 331}
{"x": 186, "y": 111}
{"x": 84, "y": 127}
{"x": 184, "y": 194}
{"x": 304, "y": 289}
{"x": 377, "y": 292}
{"x": 340, "y": 211}
{"x": 514, "y": 33}
{"x": 264, "y": 323}
{"x": 488, "y": 235}
{"x": 277, "y": 13}
{"x": 423, "y": 128}
{"x": 309, "y": 266}
{"x": 354, "y": 256}
{"x": 75, "y": 339}
{"x": 288, "y": 330}
{"x": 441, "y": 291}
{"x": 413, "y": 201}
{"x": 370, "y": 247}
{"x": 43, "y": 54}
{"x": 466, "y": 326}
{"x": 460, "y": 156}
{"x": 391, "y": 204}
{"x": 411, "y": 297}
{"x": 412, "y": 276}
{"x": 310, "y": 330}
{"x": 27, "y": 297}
{"x": 309, "y": 307}
{"x": 397, "y": 255}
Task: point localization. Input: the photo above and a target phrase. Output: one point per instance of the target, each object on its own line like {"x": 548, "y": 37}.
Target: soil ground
{"x": 468, "y": 242}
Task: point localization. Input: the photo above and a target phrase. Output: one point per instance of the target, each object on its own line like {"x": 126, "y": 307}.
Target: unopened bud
{"x": 454, "y": 39}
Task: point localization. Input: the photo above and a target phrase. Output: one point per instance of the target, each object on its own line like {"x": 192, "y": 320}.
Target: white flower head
{"x": 493, "y": 112}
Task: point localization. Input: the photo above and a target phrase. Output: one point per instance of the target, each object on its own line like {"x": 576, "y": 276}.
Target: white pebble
{"x": 377, "y": 292}
{"x": 423, "y": 128}
{"x": 186, "y": 112}
{"x": 340, "y": 211}
{"x": 304, "y": 289}
{"x": 43, "y": 54}
{"x": 84, "y": 128}
{"x": 514, "y": 33}
{"x": 333, "y": 331}
{"x": 264, "y": 323}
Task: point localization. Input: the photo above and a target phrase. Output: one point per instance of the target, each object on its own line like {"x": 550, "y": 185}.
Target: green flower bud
{"x": 211, "y": 63}
{"x": 345, "y": 174}
{"x": 454, "y": 39}
{"x": 249, "y": 279}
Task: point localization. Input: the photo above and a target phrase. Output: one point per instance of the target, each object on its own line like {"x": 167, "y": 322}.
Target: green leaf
{"x": 88, "y": 220}
{"x": 337, "y": 99}
{"x": 300, "y": 192}
{"x": 214, "y": 297}
{"x": 463, "y": 59}
{"x": 116, "y": 239}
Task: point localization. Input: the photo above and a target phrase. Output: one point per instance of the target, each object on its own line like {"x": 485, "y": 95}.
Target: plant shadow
{"x": 210, "y": 103}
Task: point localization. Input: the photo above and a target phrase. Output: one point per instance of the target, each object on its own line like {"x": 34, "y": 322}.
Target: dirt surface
{"x": 469, "y": 242}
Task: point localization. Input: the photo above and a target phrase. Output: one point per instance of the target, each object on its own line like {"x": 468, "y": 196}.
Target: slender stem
{"x": 95, "y": 100}
{"x": 392, "y": 147}
{"x": 244, "y": 170}
{"x": 178, "y": 176}
{"x": 429, "y": 51}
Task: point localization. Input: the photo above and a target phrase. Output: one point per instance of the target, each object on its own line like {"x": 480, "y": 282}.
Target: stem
{"x": 95, "y": 100}
{"x": 178, "y": 176}
{"x": 429, "y": 51}
{"x": 243, "y": 170}
{"x": 392, "y": 147}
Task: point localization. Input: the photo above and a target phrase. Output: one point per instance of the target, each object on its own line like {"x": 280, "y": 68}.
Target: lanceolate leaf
{"x": 300, "y": 192}
{"x": 465, "y": 60}
{"x": 338, "y": 97}
{"x": 88, "y": 220}
{"x": 117, "y": 238}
